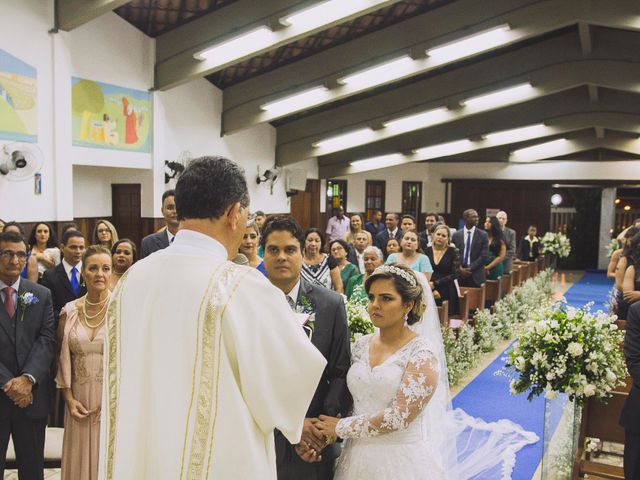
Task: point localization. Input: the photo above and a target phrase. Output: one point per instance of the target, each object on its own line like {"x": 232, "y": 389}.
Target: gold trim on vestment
{"x": 201, "y": 421}
{"x": 114, "y": 363}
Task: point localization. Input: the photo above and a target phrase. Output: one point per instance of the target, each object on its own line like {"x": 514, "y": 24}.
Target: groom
{"x": 327, "y": 327}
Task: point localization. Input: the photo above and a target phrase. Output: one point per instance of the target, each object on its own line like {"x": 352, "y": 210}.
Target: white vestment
{"x": 203, "y": 359}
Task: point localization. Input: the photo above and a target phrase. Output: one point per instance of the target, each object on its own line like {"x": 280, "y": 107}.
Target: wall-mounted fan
{"x": 270, "y": 176}
{"x": 173, "y": 169}
{"x": 20, "y": 161}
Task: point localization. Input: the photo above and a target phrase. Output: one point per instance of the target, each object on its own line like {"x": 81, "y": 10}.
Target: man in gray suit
{"x": 473, "y": 244}
{"x": 510, "y": 240}
{"x": 163, "y": 238}
{"x": 326, "y": 324}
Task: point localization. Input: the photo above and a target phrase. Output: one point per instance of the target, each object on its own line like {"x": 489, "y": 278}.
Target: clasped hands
{"x": 79, "y": 412}
{"x": 317, "y": 433}
{"x": 19, "y": 391}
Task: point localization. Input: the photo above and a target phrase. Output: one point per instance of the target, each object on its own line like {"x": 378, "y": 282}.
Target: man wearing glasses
{"x": 27, "y": 345}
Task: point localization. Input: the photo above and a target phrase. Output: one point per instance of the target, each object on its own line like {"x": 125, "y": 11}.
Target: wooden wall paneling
{"x": 305, "y": 206}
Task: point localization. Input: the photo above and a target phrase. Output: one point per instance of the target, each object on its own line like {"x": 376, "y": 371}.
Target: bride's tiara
{"x": 407, "y": 276}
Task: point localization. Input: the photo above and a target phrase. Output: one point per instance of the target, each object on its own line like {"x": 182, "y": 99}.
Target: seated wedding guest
{"x": 392, "y": 246}
{"x": 355, "y": 227}
{"x": 30, "y": 271}
{"x": 43, "y": 242}
{"x": 618, "y": 254}
{"x": 318, "y": 267}
{"x": 354, "y": 288}
{"x": 530, "y": 245}
{"x": 81, "y": 336}
{"x": 27, "y": 346}
{"x": 631, "y": 248}
{"x": 339, "y": 249}
{"x": 356, "y": 254}
{"x": 105, "y": 234}
{"x": 630, "y": 417}
{"x": 494, "y": 264}
{"x": 282, "y": 241}
{"x": 408, "y": 223}
{"x": 338, "y": 225}
{"x": 375, "y": 226}
{"x": 411, "y": 255}
{"x": 425, "y": 236}
{"x": 391, "y": 230}
{"x": 123, "y": 254}
{"x": 162, "y": 239}
{"x": 249, "y": 247}
{"x": 445, "y": 259}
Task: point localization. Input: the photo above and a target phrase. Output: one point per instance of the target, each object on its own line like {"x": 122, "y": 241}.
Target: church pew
{"x": 493, "y": 291}
{"x": 507, "y": 285}
{"x": 533, "y": 269}
{"x": 443, "y": 313}
{"x": 515, "y": 276}
{"x": 540, "y": 261}
{"x": 463, "y": 317}
{"x": 476, "y": 300}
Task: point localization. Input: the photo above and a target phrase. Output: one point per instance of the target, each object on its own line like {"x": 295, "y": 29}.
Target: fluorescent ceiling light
{"x": 379, "y": 162}
{"x": 340, "y": 142}
{"x": 443, "y": 149}
{"x": 471, "y": 45}
{"x": 418, "y": 120}
{"x": 518, "y": 134}
{"x": 237, "y": 47}
{"x": 327, "y": 12}
{"x": 381, "y": 73}
{"x": 540, "y": 151}
{"x": 506, "y": 95}
{"x": 298, "y": 101}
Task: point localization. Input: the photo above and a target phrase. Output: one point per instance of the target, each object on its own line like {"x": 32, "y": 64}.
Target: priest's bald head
{"x": 212, "y": 198}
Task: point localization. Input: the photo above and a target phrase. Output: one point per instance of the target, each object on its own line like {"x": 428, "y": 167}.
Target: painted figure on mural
{"x": 130, "y": 130}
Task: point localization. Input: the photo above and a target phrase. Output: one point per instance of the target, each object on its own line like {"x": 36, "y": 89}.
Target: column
{"x": 607, "y": 219}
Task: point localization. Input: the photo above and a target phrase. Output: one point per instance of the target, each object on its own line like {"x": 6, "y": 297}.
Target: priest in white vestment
{"x": 203, "y": 358}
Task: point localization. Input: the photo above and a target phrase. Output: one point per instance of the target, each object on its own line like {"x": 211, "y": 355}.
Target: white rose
{"x": 611, "y": 377}
{"x": 551, "y": 376}
{"x": 590, "y": 390}
{"x": 575, "y": 349}
{"x": 520, "y": 363}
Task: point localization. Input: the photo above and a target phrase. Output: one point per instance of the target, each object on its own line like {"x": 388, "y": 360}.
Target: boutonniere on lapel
{"x": 25, "y": 301}
{"x": 307, "y": 310}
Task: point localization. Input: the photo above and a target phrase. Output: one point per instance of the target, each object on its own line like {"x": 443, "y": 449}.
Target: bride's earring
{"x": 406, "y": 318}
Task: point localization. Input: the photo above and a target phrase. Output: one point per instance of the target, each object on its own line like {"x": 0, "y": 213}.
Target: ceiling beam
{"x": 243, "y": 104}
{"x": 594, "y": 95}
{"x": 71, "y": 14}
{"x": 584, "y": 31}
{"x": 183, "y": 67}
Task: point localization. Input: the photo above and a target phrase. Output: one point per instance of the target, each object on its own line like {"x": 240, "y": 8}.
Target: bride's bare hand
{"x": 327, "y": 425}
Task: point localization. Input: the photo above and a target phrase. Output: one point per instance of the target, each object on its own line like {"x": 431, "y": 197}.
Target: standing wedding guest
{"x": 630, "y": 418}
{"x": 339, "y": 249}
{"x": 509, "y": 236}
{"x": 27, "y": 345}
{"x": 318, "y": 267}
{"x": 220, "y": 355}
{"x": 81, "y": 336}
{"x": 627, "y": 256}
{"x": 356, "y": 227}
{"x": 356, "y": 255}
{"x": 30, "y": 271}
{"x": 391, "y": 230}
{"x": 259, "y": 219}
{"x": 631, "y": 279}
{"x": 68, "y": 226}
{"x": 392, "y": 246}
{"x": 43, "y": 241}
{"x": 445, "y": 259}
{"x": 123, "y": 254}
{"x": 338, "y": 225}
{"x": 494, "y": 264}
{"x": 282, "y": 240}
{"x": 473, "y": 243}
{"x": 425, "y": 236}
{"x": 411, "y": 255}
{"x": 354, "y": 289}
{"x": 249, "y": 247}
{"x": 530, "y": 245}
{"x": 408, "y": 223}
{"x": 620, "y": 253}
{"x": 105, "y": 234}
{"x": 163, "y": 238}
{"x": 375, "y": 226}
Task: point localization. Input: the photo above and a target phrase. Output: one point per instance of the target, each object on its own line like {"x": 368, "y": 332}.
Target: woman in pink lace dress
{"x": 81, "y": 334}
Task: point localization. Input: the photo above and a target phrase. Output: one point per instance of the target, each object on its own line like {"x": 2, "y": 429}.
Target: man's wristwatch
{"x": 30, "y": 377}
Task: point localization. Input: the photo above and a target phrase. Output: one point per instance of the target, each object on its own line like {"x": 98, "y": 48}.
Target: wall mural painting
{"x": 18, "y": 100}
{"x": 112, "y": 117}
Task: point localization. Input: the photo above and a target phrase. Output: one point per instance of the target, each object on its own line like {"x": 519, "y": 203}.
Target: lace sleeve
{"x": 418, "y": 384}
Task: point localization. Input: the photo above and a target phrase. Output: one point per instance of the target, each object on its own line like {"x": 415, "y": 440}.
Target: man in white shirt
{"x": 199, "y": 372}
{"x": 337, "y": 226}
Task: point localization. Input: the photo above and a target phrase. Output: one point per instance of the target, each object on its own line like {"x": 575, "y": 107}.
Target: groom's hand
{"x": 312, "y": 437}
{"x": 309, "y": 455}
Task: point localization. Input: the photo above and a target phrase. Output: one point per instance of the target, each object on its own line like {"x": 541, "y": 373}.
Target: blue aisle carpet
{"x": 488, "y": 397}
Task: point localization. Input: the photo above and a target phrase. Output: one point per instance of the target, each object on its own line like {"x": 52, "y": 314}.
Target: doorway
{"x": 125, "y": 211}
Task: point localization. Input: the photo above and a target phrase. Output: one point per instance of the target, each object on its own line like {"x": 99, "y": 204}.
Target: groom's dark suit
{"x": 27, "y": 345}
{"x": 331, "y": 338}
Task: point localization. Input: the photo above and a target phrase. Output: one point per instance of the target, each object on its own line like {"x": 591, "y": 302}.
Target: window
{"x": 336, "y": 195}
{"x": 411, "y": 199}
{"x": 374, "y": 197}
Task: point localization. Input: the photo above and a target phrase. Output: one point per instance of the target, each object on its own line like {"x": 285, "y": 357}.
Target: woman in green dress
{"x": 339, "y": 250}
{"x": 354, "y": 288}
{"x": 494, "y": 265}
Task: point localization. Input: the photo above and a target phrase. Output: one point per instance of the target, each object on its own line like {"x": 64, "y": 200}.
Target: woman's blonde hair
{"x": 112, "y": 229}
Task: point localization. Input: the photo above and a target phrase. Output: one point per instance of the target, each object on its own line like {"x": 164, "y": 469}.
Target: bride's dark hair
{"x": 407, "y": 285}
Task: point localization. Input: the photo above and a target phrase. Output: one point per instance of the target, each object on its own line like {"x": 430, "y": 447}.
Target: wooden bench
{"x": 463, "y": 317}
{"x": 475, "y": 301}
{"x": 493, "y": 290}
{"x": 52, "y": 450}
{"x": 515, "y": 276}
{"x": 507, "y": 285}
{"x": 443, "y": 313}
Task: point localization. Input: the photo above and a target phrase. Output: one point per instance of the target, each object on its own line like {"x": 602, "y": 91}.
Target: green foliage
{"x": 87, "y": 95}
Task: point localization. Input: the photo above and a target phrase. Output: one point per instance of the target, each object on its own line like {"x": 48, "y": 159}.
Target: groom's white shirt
{"x": 203, "y": 359}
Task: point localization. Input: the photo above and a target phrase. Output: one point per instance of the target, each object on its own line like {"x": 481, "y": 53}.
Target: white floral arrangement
{"x": 358, "y": 319}
{"x": 557, "y": 244}
{"x": 612, "y": 247}
{"x": 563, "y": 349}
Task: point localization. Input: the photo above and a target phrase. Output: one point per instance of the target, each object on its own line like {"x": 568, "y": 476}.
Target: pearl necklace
{"x": 88, "y": 317}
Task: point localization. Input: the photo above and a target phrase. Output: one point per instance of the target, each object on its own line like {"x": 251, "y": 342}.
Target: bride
{"x": 402, "y": 424}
